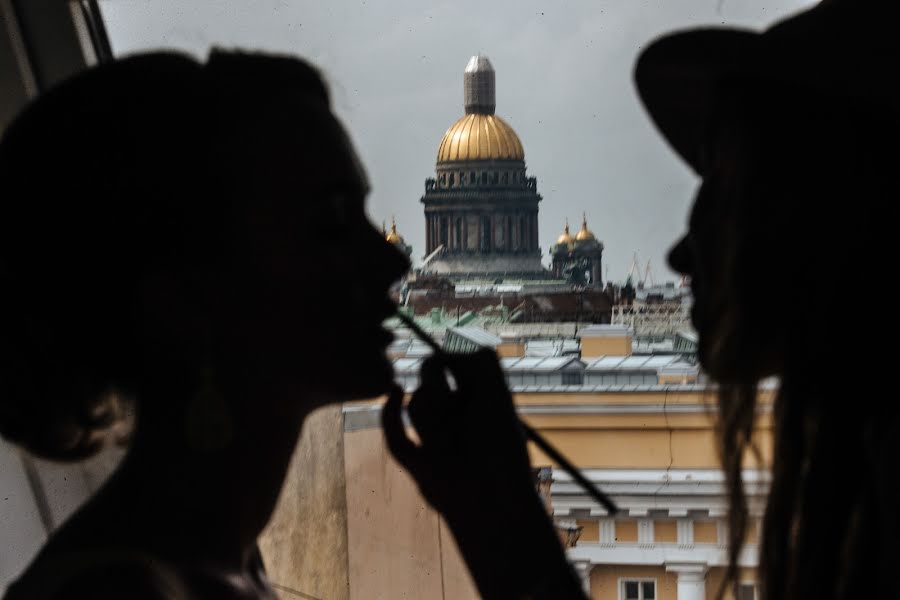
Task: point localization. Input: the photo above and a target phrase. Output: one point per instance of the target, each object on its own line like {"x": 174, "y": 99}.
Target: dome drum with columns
{"x": 481, "y": 208}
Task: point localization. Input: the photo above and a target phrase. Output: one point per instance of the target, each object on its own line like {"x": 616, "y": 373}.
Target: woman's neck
{"x": 204, "y": 496}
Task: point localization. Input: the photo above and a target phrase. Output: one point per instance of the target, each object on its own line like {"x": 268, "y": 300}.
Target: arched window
{"x": 457, "y": 228}
{"x": 484, "y": 177}
{"x": 452, "y": 179}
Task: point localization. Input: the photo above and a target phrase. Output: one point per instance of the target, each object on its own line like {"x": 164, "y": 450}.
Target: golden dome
{"x": 584, "y": 234}
{"x": 566, "y": 237}
{"x": 479, "y": 136}
{"x": 393, "y": 237}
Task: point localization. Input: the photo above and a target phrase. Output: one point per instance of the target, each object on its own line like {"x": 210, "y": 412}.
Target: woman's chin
{"x": 366, "y": 379}
{"x": 730, "y": 365}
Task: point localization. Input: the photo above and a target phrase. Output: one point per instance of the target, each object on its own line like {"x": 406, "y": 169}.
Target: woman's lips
{"x": 380, "y": 336}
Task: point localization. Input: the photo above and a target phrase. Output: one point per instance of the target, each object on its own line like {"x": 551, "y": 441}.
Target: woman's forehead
{"x": 325, "y": 156}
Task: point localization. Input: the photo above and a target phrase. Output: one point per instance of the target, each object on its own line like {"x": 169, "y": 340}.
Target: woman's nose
{"x": 399, "y": 262}
{"x": 680, "y": 257}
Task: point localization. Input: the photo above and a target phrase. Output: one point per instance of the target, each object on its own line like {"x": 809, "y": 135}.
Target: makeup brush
{"x": 530, "y": 433}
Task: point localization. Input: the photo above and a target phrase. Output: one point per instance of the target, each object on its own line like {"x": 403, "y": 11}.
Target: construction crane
{"x": 634, "y": 269}
{"x": 648, "y": 275}
{"x": 634, "y": 272}
{"x": 640, "y": 279}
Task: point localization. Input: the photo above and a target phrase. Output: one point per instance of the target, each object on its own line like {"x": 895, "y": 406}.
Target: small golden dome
{"x": 566, "y": 237}
{"x": 479, "y": 136}
{"x": 584, "y": 234}
{"x": 393, "y": 237}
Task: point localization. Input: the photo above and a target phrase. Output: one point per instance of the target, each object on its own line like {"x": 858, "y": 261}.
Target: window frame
{"x": 752, "y": 584}
{"x": 623, "y": 580}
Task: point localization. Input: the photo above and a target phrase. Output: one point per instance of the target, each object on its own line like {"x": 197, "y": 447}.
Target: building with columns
{"x": 481, "y": 207}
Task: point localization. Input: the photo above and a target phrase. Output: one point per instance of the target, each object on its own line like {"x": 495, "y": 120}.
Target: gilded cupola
{"x": 480, "y": 134}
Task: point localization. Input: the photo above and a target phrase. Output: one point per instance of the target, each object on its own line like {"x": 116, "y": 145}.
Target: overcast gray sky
{"x": 563, "y": 83}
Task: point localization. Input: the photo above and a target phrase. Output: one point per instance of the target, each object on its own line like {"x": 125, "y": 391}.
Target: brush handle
{"x": 569, "y": 468}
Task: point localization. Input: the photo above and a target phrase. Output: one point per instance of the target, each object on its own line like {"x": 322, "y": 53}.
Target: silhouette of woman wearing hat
{"x": 794, "y": 133}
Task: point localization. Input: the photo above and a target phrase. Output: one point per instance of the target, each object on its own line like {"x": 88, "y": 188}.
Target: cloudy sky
{"x": 563, "y": 82}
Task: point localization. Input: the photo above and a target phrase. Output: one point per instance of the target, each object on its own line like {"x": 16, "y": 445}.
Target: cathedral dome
{"x": 566, "y": 237}
{"x": 393, "y": 237}
{"x": 479, "y": 136}
{"x": 584, "y": 234}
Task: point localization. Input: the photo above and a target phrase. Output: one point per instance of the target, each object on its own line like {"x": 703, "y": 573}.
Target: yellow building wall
{"x": 312, "y": 513}
{"x": 510, "y": 349}
{"x": 626, "y": 531}
{"x": 595, "y": 347}
{"x": 631, "y": 449}
{"x": 621, "y": 398}
{"x": 457, "y": 582}
{"x": 638, "y": 441}
{"x": 706, "y": 532}
{"x": 397, "y": 545}
{"x": 605, "y": 581}
{"x": 665, "y": 531}
{"x": 590, "y": 531}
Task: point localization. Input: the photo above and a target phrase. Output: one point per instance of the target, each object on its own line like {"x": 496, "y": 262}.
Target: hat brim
{"x": 679, "y": 79}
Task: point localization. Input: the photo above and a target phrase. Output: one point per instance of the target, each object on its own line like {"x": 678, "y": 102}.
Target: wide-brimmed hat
{"x": 840, "y": 50}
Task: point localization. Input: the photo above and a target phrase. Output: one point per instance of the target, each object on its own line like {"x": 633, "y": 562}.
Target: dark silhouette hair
{"x": 110, "y": 177}
{"x": 813, "y": 205}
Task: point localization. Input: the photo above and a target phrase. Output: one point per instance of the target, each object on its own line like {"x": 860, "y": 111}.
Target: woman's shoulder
{"x": 100, "y": 575}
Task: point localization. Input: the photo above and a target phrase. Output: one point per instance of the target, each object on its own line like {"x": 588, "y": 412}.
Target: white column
{"x": 645, "y": 531}
{"x": 691, "y": 579}
{"x": 685, "y": 532}
{"x": 607, "y": 531}
{"x": 583, "y": 568}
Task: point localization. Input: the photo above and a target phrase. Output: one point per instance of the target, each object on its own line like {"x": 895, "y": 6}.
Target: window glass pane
{"x": 649, "y": 589}
{"x": 631, "y": 590}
